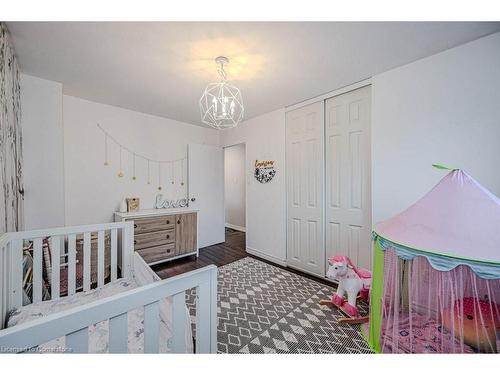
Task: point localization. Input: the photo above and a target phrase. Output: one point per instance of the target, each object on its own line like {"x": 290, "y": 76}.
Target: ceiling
{"x": 162, "y": 68}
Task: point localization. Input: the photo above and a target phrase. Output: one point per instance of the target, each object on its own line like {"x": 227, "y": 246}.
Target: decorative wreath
{"x": 264, "y": 175}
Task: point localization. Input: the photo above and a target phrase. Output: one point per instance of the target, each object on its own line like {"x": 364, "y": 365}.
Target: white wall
{"x": 94, "y": 191}
{"x": 264, "y": 138}
{"x": 42, "y": 130}
{"x": 444, "y": 109}
{"x": 235, "y": 185}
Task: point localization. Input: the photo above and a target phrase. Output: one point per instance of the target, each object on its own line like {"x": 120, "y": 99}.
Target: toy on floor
{"x": 475, "y": 320}
{"x": 355, "y": 282}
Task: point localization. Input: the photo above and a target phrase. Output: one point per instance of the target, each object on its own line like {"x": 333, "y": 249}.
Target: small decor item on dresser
{"x": 132, "y": 204}
{"x": 123, "y": 206}
{"x": 264, "y": 171}
{"x": 165, "y": 203}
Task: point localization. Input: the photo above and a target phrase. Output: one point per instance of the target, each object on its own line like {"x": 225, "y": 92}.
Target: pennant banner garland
{"x": 166, "y": 168}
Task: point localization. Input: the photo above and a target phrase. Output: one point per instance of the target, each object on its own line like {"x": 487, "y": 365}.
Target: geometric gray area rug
{"x": 265, "y": 309}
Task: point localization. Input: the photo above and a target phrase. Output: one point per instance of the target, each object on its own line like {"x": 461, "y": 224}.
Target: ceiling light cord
{"x": 222, "y": 72}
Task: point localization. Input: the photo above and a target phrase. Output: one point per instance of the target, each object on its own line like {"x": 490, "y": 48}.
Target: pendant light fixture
{"x": 221, "y": 105}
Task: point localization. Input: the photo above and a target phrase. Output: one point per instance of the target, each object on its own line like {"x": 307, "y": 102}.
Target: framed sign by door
{"x": 264, "y": 171}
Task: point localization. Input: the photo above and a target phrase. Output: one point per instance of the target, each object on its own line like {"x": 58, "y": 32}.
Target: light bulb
{"x": 224, "y": 101}
{"x": 214, "y": 102}
{"x": 231, "y": 107}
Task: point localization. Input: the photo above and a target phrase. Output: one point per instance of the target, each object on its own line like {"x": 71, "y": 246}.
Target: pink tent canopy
{"x": 458, "y": 218}
{"x": 440, "y": 265}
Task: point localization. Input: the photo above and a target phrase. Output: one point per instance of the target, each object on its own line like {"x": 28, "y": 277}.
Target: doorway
{"x": 235, "y": 188}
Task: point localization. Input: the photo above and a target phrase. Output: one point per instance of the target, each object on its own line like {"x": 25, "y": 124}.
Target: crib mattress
{"x": 99, "y": 333}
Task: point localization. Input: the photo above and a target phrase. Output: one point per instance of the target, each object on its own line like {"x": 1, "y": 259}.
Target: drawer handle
{"x": 168, "y": 221}
{"x": 168, "y": 236}
{"x": 135, "y": 242}
{"x": 135, "y": 225}
{"x": 178, "y": 221}
{"x": 168, "y": 251}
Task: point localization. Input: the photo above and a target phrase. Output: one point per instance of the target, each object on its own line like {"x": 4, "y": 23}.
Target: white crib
{"x": 73, "y": 324}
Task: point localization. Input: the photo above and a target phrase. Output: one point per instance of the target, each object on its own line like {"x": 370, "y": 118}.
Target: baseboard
{"x": 236, "y": 227}
{"x": 308, "y": 272}
{"x": 283, "y": 263}
{"x": 270, "y": 258}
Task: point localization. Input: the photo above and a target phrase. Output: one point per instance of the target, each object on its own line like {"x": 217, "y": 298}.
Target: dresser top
{"x": 154, "y": 212}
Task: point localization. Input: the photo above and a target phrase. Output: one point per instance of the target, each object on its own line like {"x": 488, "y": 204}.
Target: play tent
{"x": 436, "y": 273}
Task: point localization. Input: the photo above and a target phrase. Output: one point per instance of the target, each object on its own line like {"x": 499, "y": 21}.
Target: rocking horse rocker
{"x": 355, "y": 282}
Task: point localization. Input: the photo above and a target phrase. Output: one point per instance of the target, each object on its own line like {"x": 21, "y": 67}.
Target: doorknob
{"x": 193, "y": 199}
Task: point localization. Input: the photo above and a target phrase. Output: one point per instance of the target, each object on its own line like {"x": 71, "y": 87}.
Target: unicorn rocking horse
{"x": 355, "y": 282}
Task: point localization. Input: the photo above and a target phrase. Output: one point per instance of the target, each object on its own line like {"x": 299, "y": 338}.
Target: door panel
{"x": 348, "y": 189}
{"x": 206, "y": 186}
{"x": 304, "y": 164}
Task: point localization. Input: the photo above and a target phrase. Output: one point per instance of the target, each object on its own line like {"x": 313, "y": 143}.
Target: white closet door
{"x": 305, "y": 185}
{"x": 348, "y": 190}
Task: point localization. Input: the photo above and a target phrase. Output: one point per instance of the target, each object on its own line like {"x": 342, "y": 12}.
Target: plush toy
{"x": 478, "y": 323}
{"x": 355, "y": 282}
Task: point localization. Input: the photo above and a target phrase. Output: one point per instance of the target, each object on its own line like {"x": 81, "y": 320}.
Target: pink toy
{"x": 355, "y": 282}
{"x": 475, "y": 320}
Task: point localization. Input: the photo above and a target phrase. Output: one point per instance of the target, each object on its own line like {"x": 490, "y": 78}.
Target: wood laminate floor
{"x": 221, "y": 254}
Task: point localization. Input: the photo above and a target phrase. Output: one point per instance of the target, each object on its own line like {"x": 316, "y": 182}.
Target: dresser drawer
{"x": 154, "y": 224}
{"x": 144, "y": 240}
{"x": 157, "y": 253}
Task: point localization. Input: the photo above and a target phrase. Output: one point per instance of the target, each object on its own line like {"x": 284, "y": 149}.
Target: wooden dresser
{"x": 161, "y": 235}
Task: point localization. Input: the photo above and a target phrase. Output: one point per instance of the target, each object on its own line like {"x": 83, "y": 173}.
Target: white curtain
{"x": 11, "y": 185}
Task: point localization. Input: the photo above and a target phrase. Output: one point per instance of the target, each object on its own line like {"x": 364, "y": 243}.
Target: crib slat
{"x": 86, "y": 261}
{"x": 206, "y": 314}
{"x": 127, "y": 248}
{"x": 118, "y": 334}
{"x": 3, "y": 280}
{"x": 100, "y": 258}
{"x": 55, "y": 250}
{"x": 78, "y": 342}
{"x": 4, "y": 274}
{"x": 202, "y": 320}
{"x": 15, "y": 254}
{"x": 37, "y": 270}
{"x": 179, "y": 323}
{"x": 151, "y": 327}
{"x": 114, "y": 260}
{"x": 71, "y": 264}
